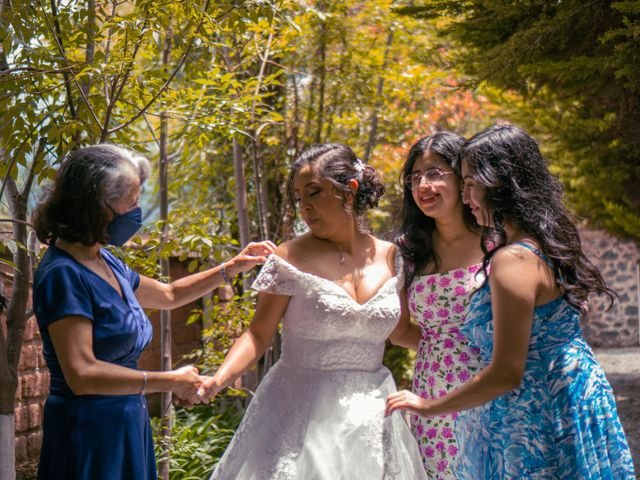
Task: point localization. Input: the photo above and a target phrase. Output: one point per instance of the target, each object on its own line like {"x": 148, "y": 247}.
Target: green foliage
{"x": 224, "y": 322}
{"x": 202, "y": 240}
{"x": 400, "y": 361}
{"x": 576, "y": 68}
{"x": 273, "y": 76}
{"x": 199, "y": 437}
{"x": 358, "y": 60}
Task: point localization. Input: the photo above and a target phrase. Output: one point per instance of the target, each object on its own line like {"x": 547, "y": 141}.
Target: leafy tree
{"x": 155, "y": 77}
{"x": 575, "y": 66}
{"x": 225, "y": 95}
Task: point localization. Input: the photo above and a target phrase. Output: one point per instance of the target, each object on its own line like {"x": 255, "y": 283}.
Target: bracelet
{"x": 223, "y": 272}
{"x": 144, "y": 383}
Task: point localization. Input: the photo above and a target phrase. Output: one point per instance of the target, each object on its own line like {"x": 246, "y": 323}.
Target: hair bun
{"x": 370, "y": 190}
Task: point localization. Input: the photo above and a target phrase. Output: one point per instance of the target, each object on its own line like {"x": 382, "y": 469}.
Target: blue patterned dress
{"x": 561, "y": 423}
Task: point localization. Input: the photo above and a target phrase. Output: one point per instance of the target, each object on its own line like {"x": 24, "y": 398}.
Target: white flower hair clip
{"x": 359, "y": 165}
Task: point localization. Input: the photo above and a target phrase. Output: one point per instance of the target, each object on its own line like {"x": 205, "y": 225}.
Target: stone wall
{"x": 618, "y": 260}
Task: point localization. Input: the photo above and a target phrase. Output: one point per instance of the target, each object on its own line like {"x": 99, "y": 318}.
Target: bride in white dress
{"x": 319, "y": 412}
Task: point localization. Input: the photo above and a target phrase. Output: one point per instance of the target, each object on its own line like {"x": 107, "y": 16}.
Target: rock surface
{"x": 622, "y": 366}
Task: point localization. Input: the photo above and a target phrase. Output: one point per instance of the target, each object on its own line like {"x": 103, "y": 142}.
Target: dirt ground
{"x": 622, "y": 366}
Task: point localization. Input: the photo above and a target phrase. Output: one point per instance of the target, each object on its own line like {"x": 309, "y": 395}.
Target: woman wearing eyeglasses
{"x": 442, "y": 256}
{"x": 541, "y": 407}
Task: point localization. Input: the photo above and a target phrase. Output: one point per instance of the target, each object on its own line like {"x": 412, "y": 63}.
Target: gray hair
{"x": 129, "y": 165}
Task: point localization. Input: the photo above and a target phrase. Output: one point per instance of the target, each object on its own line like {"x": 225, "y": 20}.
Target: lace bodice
{"x": 323, "y": 327}
{"x": 319, "y": 412}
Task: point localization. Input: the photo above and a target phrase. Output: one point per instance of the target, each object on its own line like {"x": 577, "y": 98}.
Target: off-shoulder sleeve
{"x": 399, "y": 264}
{"x": 277, "y": 277}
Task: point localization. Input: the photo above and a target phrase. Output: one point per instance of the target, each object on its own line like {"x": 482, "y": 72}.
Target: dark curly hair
{"x": 521, "y": 191}
{"x": 338, "y": 164}
{"x": 414, "y": 237}
{"x": 89, "y": 182}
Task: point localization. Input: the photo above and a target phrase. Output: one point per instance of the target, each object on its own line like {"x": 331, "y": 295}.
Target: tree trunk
{"x": 258, "y": 163}
{"x": 8, "y": 378}
{"x": 241, "y": 191}
{"x": 261, "y": 197}
{"x": 7, "y": 447}
{"x": 293, "y": 143}
{"x": 89, "y": 55}
{"x": 373, "y": 129}
{"x": 165, "y": 315}
{"x": 248, "y": 379}
{"x": 321, "y": 78}
{"x": 16, "y": 319}
{"x": 309, "y": 114}
{"x": 91, "y": 42}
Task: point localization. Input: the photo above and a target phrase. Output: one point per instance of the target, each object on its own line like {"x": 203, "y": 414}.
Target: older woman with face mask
{"x": 89, "y": 307}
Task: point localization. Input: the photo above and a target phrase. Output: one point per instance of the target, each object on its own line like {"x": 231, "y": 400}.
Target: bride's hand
{"x": 405, "y": 400}
{"x": 209, "y": 389}
{"x": 251, "y": 255}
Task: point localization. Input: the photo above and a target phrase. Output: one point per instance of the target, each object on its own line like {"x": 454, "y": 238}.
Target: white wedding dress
{"x": 319, "y": 412}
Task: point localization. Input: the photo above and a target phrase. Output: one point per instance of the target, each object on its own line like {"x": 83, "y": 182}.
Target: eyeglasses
{"x": 431, "y": 176}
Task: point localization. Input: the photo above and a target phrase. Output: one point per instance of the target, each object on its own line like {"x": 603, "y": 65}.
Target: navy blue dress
{"x": 93, "y": 437}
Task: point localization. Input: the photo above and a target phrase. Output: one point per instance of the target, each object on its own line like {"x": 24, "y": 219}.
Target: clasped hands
{"x": 191, "y": 388}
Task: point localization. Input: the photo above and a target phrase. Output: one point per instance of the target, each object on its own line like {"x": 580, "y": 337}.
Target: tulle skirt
{"x": 310, "y": 424}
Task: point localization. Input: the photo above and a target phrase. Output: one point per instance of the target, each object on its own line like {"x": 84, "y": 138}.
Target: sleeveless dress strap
{"x": 539, "y": 253}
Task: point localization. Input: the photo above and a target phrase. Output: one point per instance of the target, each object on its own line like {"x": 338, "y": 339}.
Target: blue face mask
{"x": 124, "y": 226}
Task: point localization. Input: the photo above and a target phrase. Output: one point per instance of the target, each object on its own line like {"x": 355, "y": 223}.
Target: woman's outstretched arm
{"x": 72, "y": 338}
{"x": 514, "y": 280}
{"x": 166, "y": 296}
{"x": 248, "y": 349}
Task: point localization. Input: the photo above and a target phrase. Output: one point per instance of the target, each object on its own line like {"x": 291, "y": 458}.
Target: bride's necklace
{"x": 341, "y": 257}
{"x": 342, "y": 249}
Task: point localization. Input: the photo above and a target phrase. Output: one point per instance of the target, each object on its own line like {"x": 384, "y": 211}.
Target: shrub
{"x": 200, "y": 436}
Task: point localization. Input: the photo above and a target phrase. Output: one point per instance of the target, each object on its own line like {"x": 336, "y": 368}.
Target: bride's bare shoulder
{"x": 387, "y": 252}
{"x": 297, "y": 250}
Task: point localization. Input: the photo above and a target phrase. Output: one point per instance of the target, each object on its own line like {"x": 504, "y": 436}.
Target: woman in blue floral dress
{"x": 541, "y": 408}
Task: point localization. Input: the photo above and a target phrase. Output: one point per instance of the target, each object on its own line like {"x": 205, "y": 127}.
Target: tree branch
{"x": 107, "y": 50}
{"x": 13, "y": 220}
{"x": 123, "y": 81}
{"x": 13, "y": 160}
{"x": 166, "y": 84}
{"x": 11, "y": 71}
{"x": 56, "y": 36}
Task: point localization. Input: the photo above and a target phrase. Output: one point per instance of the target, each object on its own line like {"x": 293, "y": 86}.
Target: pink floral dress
{"x": 444, "y": 361}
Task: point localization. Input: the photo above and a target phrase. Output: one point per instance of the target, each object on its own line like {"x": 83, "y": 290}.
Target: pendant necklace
{"x": 104, "y": 266}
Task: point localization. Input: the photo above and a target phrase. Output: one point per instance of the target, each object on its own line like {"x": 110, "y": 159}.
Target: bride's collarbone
{"x": 361, "y": 284}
